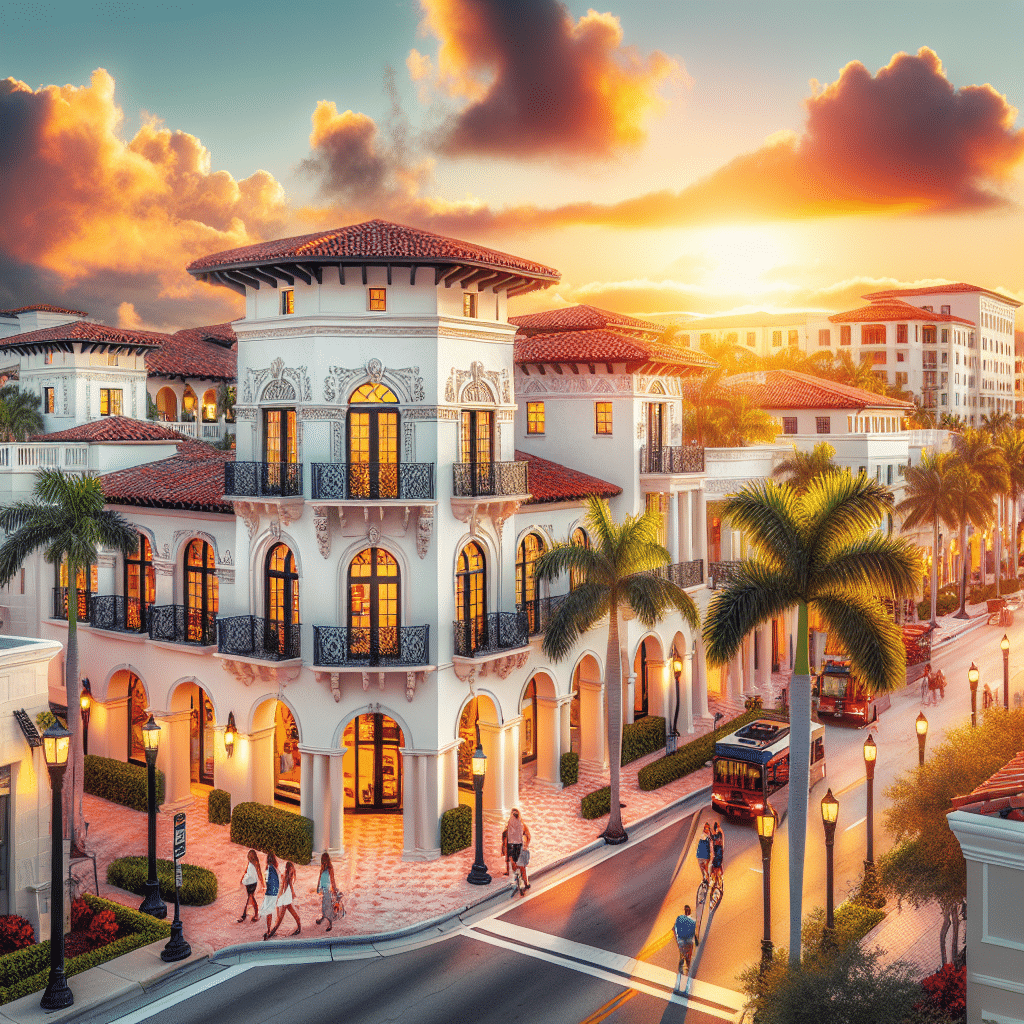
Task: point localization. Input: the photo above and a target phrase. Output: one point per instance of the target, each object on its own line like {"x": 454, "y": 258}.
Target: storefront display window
{"x": 372, "y": 765}
{"x": 287, "y": 759}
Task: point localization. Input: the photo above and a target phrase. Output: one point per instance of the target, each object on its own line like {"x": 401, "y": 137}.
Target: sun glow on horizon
{"x": 740, "y": 258}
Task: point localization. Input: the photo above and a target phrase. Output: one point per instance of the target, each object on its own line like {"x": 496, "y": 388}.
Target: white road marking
{"x": 615, "y": 967}
{"x": 158, "y": 1006}
{"x": 859, "y": 821}
{"x": 757, "y": 871}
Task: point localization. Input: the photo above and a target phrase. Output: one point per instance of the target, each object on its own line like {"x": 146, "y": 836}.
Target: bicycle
{"x": 517, "y": 878}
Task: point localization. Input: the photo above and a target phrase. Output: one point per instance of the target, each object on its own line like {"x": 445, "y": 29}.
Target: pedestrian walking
{"x": 926, "y": 682}
{"x": 504, "y": 848}
{"x": 718, "y": 854}
{"x": 685, "y": 930}
{"x": 330, "y": 896}
{"x": 273, "y": 889}
{"x": 517, "y": 839}
{"x": 940, "y": 684}
{"x": 285, "y": 901}
{"x": 251, "y": 879}
{"x": 933, "y": 689}
{"x": 704, "y": 851}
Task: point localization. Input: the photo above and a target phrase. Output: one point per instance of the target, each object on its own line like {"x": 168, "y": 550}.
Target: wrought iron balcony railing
{"x": 177, "y": 624}
{"x": 687, "y": 458}
{"x": 484, "y": 634}
{"x": 484, "y": 479}
{"x": 538, "y": 612}
{"x": 721, "y": 574}
{"x": 344, "y": 481}
{"x": 60, "y": 604}
{"x": 373, "y": 646}
{"x": 263, "y": 479}
{"x": 118, "y": 614}
{"x": 250, "y": 636}
{"x": 684, "y": 574}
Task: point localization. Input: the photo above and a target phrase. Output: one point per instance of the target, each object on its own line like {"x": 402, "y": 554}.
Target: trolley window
{"x": 834, "y": 686}
{"x": 738, "y": 774}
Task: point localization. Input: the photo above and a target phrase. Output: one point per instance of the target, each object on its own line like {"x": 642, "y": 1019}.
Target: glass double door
{"x": 201, "y": 738}
{"x": 373, "y": 453}
{"x": 477, "y": 433}
{"x": 372, "y": 764}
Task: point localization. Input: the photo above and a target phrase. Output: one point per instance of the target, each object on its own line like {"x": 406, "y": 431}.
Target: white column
{"x": 700, "y": 670}
{"x": 701, "y": 527}
{"x": 319, "y": 801}
{"x": 549, "y": 741}
{"x": 686, "y": 694}
{"x": 492, "y": 739}
{"x": 336, "y": 836}
{"x": 659, "y": 678}
{"x": 411, "y": 809}
{"x": 424, "y": 841}
{"x": 673, "y": 526}
{"x": 593, "y": 723}
{"x": 565, "y": 722}
{"x": 749, "y": 684}
{"x": 764, "y": 659}
{"x": 513, "y": 760}
{"x": 629, "y": 698}
{"x": 687, "y": 533}
{"x": 174, "y": 757}
{"x": 305, "y": 783}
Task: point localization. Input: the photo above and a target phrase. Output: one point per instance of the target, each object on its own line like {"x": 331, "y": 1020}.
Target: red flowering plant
{"x": 81, "y": 915}
{"x": 103, "y": 928}
{"x": 15, "y": 933}
{"x": 946, "y": 992}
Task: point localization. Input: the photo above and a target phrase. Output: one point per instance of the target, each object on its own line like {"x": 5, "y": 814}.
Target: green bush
{"x": 693, "y": 755}
{"x": 593, "y": 805}
{"x": 945, "y": 602}
{"x": 642, "y": 737}
{"x": 198, "y": 885}
{"x": 218, "y": 807}
{"x": 569, "y": 769}
{"x": 120, "y": 782}
{"x": 288, "y": 836}
{"x": 853, "y": 922}
{"x": 456, "y": 829}
{"x": 27, "y": 970}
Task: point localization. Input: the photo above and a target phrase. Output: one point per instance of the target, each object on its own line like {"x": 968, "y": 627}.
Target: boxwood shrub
{"x": 642, "y": 737}
{"x": 456, "y": 829}
{"x": 693, "y": 755}
{"x": 593, "y": 805}
{"x": 198, "y": 885}
{"x": 853, "y": 922}
{"x": 569, "y": 769}
{"x": 120, "y": 782}
{"x": 218, "y": 807}
{"x": 289, "y": 836}
{"x": 28, "y": 970}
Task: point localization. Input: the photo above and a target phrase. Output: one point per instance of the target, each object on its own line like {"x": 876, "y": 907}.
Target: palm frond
{"x": 574, "y": 616}
{"x": 872, "y": 640}
{"x": 769, "y": 515}
{"x": 891, "y": 565}
{"x": 575, "y": 559}
{"x": 841, "y": 505}
{"x": 650, "y": 596}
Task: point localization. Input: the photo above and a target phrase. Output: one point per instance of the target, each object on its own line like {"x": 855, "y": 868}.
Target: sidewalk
{"x": 909, "y": 934}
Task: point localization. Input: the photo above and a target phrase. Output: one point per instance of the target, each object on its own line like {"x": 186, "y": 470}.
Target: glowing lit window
{"x": 47, "y": 399}
{"x": 776, "y": 339}
{"x": 469, "y": 304}
{"x": 288, "y": 301}
{"x": 110, "y": 401}
{"x": 535, "y": 417}
{"x": 603, "y": 417}
{"x": 48, "y": 358}
{"x": 378, "y": 300}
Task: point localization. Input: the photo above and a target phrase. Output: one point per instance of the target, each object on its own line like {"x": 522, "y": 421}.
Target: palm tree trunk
{"x": 935, "y": 568}
{"x": 614, "y": 833}
{"x": 799, "y": 779}
{"x": 1013, "y": 535}
{"x": 998, "y": 545}
{"x": 964, "y": 563}
{"x": 73, "y": 690}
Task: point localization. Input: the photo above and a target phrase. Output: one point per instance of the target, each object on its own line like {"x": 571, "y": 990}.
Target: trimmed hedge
{"x": 28, "y": 970}
{"x": 198, "y": 885}
{"x": 986, "y": 593}
{"x": 642, "y": 737}
{"x": 569, "y": 769}
{"x": 593, "y": 805}
{"x": 288, "y": 836}
{"x": 120, "y": 782}
{"x": 218, "y": 807}
{"x": 456, "y": 829}
{"x": 693, "y": 755}
{"x": 944, "y": 604}
{"x": 853, "y": 922}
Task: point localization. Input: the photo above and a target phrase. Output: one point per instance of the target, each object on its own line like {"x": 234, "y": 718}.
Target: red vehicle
{"x": 842, "y": 695}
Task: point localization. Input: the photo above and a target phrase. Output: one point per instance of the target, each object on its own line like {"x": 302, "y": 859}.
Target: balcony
{"x": 263, "y": 479}
{"x": 60, "y": 604}
{"x": 373, "y": 647}
{"x": 250, "y": 636}
{"x": 721, "y": 574}
{"x": 539, "y": 611}
{"x": 686, "y": 574}
{"x": 118, "y": 614}
{"x": 176, "y": 624}
{"x": 674, "y": 459}
{"x": 372, "y": 481}
{"x": 487, "y": 634}
{"x": 203, "y": 431}
{"x": 490, "y": 479}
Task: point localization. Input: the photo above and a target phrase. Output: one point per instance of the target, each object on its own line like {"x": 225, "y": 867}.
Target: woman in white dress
{"x": 269, "y": 904}
{"x": 251, "y": 879}
{"x": 285, "y": 900}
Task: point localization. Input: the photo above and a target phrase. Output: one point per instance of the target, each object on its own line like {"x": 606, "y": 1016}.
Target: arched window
{"x": 477, "y": 444}
{"x": 139, "y": 586}
{"x": 167, "y": 405}
{"x": 281, "y": 636}
{"x": 137, "y": 718}
{"x": 210, "y": 405}
{"x": 373, "y": 580}
{"x": 527, "y": 597}
{"x": 471, "y": 600}
{"x": 528, "y": 728}
{"x": 579, "y": 536}
{"x": 280, "y": 452}
{"x": 85, "y": 583}
{"x": 641, "y": 692}
{"x": 189, "y": 405}
{"x": 201, "y": 593}
{"x": 373, "y": 442}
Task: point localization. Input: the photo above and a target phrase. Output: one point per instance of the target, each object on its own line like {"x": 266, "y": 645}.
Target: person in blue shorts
{"x": 704, "y": 851}
{"x": 718, "y": 848}
{"x": 685, "y": 931}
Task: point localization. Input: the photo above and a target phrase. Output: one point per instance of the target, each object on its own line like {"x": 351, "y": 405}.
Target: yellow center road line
{"x": 610, "y": 1007}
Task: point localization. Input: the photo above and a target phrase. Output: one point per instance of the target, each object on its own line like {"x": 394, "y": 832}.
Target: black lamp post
{"x": 152, "y": 904}
{"x": 677, "y": 670}
{"x": 766, "y": 822}
{"x": 829, "y": 816}
{"x": 56, "y": 741}
{"x": 922, "y": 735}
{"x": 1005, "y": 644}
{"x": 478, "y": 875}
{"x": 870, "y": 753}
{"x": 86, "y": 701}
{"x": 973, "y": 675}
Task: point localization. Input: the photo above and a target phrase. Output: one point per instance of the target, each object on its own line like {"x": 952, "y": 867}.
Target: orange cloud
{"x": 80, "y": 206}
{"x": 536, "y": 83}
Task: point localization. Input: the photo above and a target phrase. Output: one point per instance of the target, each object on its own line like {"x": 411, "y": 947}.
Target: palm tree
{"x": 702, "y": 400}
{"x": 971, "y": 507}
{"x": 800, "y": 468}
{"x": 67, "y": 520}
{"x": 19, "y": 414}
{"x": 1011, "y": 444}
{"x": 996, "y": 422}
{"x": 858, "y": 374}
{"x": 618, "y": 572}
{"x": 740, "y": 423}
{"x": 951, "y": 421}
{"x": 929, "y": 499}
{"x": 821, "y": 549}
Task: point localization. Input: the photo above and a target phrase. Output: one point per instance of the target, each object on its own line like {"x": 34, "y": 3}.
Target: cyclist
{"x": 685, "y": 931}
{"x": 704, "y": 852}
{"x": 718, "y": 848}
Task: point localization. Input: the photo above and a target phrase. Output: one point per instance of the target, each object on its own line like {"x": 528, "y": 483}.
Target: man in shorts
{"x": 704, "y": 851}
{"x": 685, "y": 930}
{"x": 718, "y": 854}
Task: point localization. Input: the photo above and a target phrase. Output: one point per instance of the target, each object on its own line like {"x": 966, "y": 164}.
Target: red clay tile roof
{"x": 573, "y": 318}
{"x": 113, "y": 429}
{"x": 894, "y": 309}
{"x": 940, "y": 289}
{"x": 551, "y": 482}
{"x": 89, "y": 335}
{"x": 192, "y": 479}
{"x": 787, "y": 389}
{"x": 42, "y": 308}
{"x": 1002, "y": 791}
{"x": 377, "y": 241}
{"x": 600, "y": 346}
{"x": 189, "y": 353}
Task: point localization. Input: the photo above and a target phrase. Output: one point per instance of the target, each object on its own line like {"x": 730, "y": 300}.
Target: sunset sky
{"x": 678, "y": 157}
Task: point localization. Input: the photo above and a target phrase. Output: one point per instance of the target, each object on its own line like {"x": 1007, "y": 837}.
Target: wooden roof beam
{"x": 280, "y": 273}
{"x": 341, "y": 273}
{"x": 389, "y": 275}
{"x": 262, "y": 275}
{"x": 364, "y": 274}
{"x": 301, "y": 274}
{"x": 314, "y": 271}
{"x": 501, "y": 279}
{"x": 520, "y": 289}
{"x": 245, "y": 279}
{"x": 439, "y": 274}
{"x": 452, "y": 274}
{"x": 477, "y": 277}
{"x": 221, "y": 278}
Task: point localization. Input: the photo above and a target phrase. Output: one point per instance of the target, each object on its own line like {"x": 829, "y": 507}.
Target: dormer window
{"x": 287, "y": 301}
{"x": 469, "y": 304}
{"x": 378, "y": 300}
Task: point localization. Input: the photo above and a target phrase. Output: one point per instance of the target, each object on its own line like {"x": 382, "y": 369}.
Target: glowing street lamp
{"x": 973, "y": 675}
{"x": 766, "y": 822}
{"x": 922, "y": 734}
{"x": 829, "y": 816}
{"x": 152, "y": 904}
{"x": 479, "y": 875}
{"x": 56, "y": 744}
{"x": 1005, "y": 644}
{"x": 677, "y": 671}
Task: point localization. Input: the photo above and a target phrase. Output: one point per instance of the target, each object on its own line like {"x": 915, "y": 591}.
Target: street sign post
{"x": 179, "y": 835}
{"x": 177, "y": 948}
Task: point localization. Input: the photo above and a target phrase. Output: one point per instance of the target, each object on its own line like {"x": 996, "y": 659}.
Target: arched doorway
{"x": 373, "y": 442}
{"x": 138, "y": 715}
{"x": 372, "y": 764}
{"x": 527, "y": 591}
{"x": 287, "y": 759}
{"x": 201, "y": 593}
{"x": 202, "y": 730}
{"x": 139, "y": 587}
{"x": 189, "y": 405}
{"x": 471, "y": 599}
{"x": 579, "y": 536}
{"x": 648, "y": 666}
{"x": 210, "y": 406}
{"x": 281, "y": 636}
{"x": 588, "y": 732}
{"x": 477, "y": 709}
{"x": 167, "y": 405}
{"x": 528, "y": 728}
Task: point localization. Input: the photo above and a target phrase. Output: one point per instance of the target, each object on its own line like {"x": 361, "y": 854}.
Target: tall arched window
{"x": 139, "y": 586}
{"x": 201, "y": 593}
{"x": 282, "y": 603}
{"x": 579, "y": 536}
{"x": 86, "y": 584}
{"x": 471, "y": 600}
{"x": 373, "y": 442}
{"x": 373, "y": 580}
{"x": 527, "y": 596}
{"x": 528, "y": 727}
{"x": 137, "y": 718}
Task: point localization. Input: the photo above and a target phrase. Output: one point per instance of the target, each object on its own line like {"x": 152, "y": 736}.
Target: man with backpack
{"x": 685, "y": 930}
